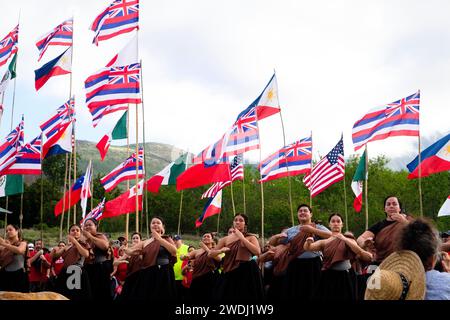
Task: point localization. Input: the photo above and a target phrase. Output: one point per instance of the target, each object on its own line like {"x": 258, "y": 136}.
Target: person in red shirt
{"x": 38, "y": 263}
{"x": 56, "y": 265}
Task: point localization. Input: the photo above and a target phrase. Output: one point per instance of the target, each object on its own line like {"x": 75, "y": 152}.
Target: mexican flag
{"x": 357, "y": 182}
{"x": 168, "y": 175}
{"x": 11, "y": 184}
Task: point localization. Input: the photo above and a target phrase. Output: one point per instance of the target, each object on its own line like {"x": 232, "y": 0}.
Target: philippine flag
{"x": 59, "y": 66}
{"x": 435, "y": 158}
{"x": 212, "y": 207}
{"x": 445, "y": 209}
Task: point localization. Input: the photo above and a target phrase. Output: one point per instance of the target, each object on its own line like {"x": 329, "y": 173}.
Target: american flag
{"x": 28, "y": 159}
{"x": 399, "y": 118}
{"x": 8, "y": 45}
{"x": 95, "y": 213}
{"x": 121, "y": 16}
{"x": 113, "y": 86}
{"x": 10, "y": 147}
{"x": 237, "y": 173}
{"x": 59, "y": 36}
{"x": 291, "y": 160}
{"x": 329, "y": 170}
{"x": 125, "y": 171}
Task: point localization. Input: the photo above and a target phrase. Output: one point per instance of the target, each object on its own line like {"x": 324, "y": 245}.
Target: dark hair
{"x": 138, "y": 233}
{"x": 37, "y": 241}
{"x": 61, "y": 242}
{"x": 19, "y": 231}
{"x": 399, "y": 202}
{"x": 75, "y": 225}
{"x": 335, "y": 214}
{"x": 421, "y": 237}
{"x": 191, "y": 247}
{"x": 304, "y": 205}
{"x": 243, "y": 215}
{"x": 95, "y": 221}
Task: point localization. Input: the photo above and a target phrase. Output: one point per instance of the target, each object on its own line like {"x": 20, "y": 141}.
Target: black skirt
{"x": 14, "y": 281}
{"x": 275, "y": 291}
{"x": 336, "y": 285}
{"x": 302, "y": 279}
{"x": 202, "y": 288}
{"x": 156, "y": 283}
{"x": 82, "y": 293}
{"x": 129, "y": 287}
{"x": 241, "y": 284}
{"x": 100, "y": 280}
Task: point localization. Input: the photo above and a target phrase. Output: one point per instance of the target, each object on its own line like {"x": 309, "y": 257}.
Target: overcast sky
{"x": 205, "y": 61}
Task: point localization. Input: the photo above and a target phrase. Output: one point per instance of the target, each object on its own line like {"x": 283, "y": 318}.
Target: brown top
{"x": 385, "y": 240}
{"x": 71, "y": 256}
{"x": 7, "y": 256}
{"x": 291, "y": 251}
{"x": 203, "y": 264}
{"x": 335, "y": 251}
{"x": 150, "y": 254}
{"x": 134, "y": 264}
{"x": 237, "y": 254}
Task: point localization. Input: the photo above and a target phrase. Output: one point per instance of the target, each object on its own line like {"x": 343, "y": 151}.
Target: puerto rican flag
{"x": 124, "y": 171}
{"x": 113, "y": 86}
{"x": 59, "y": 36}
{"x": 8, "y": 45}
{"x": 28, "y": 159}
{"x": 121, "y": 16}
{"x": 10, "y": 147}
{"x": 399, "y": 118}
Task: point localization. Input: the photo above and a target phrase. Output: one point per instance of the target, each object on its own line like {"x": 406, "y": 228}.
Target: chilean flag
{"x": 445, "y": 209}
{"x": 75, "y": 196}
{"x": 59, "y": 66}
{"x": 212, "y": 207}
{"x": 435, "y": 158}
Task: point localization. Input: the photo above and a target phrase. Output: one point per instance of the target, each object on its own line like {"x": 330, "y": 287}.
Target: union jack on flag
{"x": 125, "y": 171}
{"x": 64, "y": 114}
{"x": 99, "y": 112}
{"x": 95, "y": 213}
{"x": 8, "y": 45}
{"x": 291, "y": 160}
{"x": 399, "y": 118}
{"x": 121, "y": 16}
{"x": 10, "y": 147}
{"x": 28, "y": 159}
{"x": 237, "y": 173}
{"x": 59, "y": 36}
{"x": 113, "y": 86}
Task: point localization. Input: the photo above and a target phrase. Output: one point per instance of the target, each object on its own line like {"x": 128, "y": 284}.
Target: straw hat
{"x": 401, "y": 276}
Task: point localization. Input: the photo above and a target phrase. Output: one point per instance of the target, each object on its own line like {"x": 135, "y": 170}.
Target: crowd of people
{"x": 397, "y": 258}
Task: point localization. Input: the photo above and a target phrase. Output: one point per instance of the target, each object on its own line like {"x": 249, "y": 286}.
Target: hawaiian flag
{"x": 236, "y": 172}
{"x": 64, "y": 114}
{"x": 95, "y": 213}
{"x": 291, "y": 160}
{"x": 59, "y": 36}
{"x": 10, "y": 147}
{"x": 113, "y": 86}
{"x": 28, "y": 159}
{"x": 399, "y": 118}
{"x": 100, "y": 111}
{"x": 121, "y": 16}
{"x": 212, "y": 207}
{"x": 329, "y": 170}
{"x": 8, "y": 45}
{"x": 124, "y": 171}
{"x": 74, "y": 194}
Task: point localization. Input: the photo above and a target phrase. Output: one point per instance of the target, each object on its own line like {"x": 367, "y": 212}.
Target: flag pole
{"x": 137, "y": 170}
{"x": 145, "y": 158}
{"x": 127, "y": 216}
{"x": 261, "y": 184}
{"x": 366, "y": 198}
{"x": 92, "y": 186}
{"x": 74, "y": 170}
{"x": 345, "y": 203}
{"x": 232, "y": 197}
{"x": 21, "y": 211}
{"x": 243, "y": 182}
{"x": 181, "y": 198}
{"x": 69, "y": 186}
{"x": 312, "y": 146}
{"x": 6, "y": 217}
{"x": 420, "y": 178}
{"x": 64, "y": 201}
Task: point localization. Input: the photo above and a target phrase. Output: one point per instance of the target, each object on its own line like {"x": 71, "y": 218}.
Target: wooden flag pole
{"x": 92, "y": 187}
{"x": 310, "y": 197}
{"x": 345, "y": 203}
{"x": 243, "y": 183}
{"x": 74, "y": 170}
{"x": 21, "y": 211}
{"x": 145, "y": 158}
{"x": 137, "y": 170}
{"x": 262, "y": 189}
{"x": 366, "y": 197}
{"x": 61, "y": 222}
{"x": 420, "y": 178}
{"x": 181, "y": 198}
{"x": 6, "y": 217}
{"x": 69, "y": 180}
{"x": 127, "y": 216}
{"x": 232, "y": 199}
